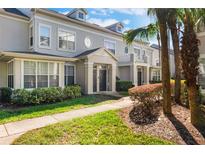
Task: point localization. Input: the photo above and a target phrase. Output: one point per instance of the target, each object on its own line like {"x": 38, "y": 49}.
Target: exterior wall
{"x": 3, "y": 74}
{"x": 202, "y": 44}
{"x": 80, "y": 74}
{"x": 124, "y": 73}
{"x": 13, "y": 34}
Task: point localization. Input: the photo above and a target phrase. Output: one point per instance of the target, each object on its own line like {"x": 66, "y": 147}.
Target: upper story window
{"x": 126, "y": 50}
{"x": 66, "y": 40}
{"x": 137, "y": 52}
{"x": 31, "y": 36}
{"x": 81, "y": 15}
{"x": 119, "y": 29}
{"x": 44, "y": 36}
{"x": 110, "y": 45}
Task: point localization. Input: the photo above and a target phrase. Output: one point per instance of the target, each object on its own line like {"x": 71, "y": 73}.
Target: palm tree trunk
{"x": 165, "y": 63}
{"x": 175, "y": 39}
{"x": 197, "y": 118}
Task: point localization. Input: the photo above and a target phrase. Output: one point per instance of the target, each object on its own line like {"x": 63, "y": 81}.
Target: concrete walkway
{"x": 10, "y": 131}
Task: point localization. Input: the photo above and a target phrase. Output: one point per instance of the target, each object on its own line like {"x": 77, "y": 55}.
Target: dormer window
{"x": 81, "y": 15}
{"x": 119, "y": 29}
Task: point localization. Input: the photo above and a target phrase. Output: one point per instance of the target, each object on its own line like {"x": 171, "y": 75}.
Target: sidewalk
{"x": 10, "y": 131}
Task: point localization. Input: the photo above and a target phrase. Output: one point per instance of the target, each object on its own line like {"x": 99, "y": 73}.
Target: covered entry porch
{"x": 96, "y": 71}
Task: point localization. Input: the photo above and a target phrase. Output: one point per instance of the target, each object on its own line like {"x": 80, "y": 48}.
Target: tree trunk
{"x": 165, "y": 69}
{"x": 197, "y": 118}
{"x": 175, "y": 39}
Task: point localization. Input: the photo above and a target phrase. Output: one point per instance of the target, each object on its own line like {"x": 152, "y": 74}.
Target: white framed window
{"x": 31, "y": 36}
{"x": 11, "y": 75}
{"x": 53, "y": 74}
{"x": 66, "y": 40}
{"x": 40, "y": 74}
{"x": 137, "y": 52}
{"x": 110, "y": 45}
{"x": 29, "y": 74}
{"x": 119, "y": 29}
{"x": 126, "y": 50}
{"x": 44, "y": 36}
{"x": 156, "y": 75}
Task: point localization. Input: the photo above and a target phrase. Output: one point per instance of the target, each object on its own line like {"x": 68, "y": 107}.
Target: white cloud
{"x": 138, "y": 11}
{"x": 126, "y": 21}
{"x": 104, "y": 12}
{"x": 64, "y": 12}
{"x": 102, "y": 22}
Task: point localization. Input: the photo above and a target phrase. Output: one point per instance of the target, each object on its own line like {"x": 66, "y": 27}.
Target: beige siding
{"x": 13, "y": 35}
{"x": 124, "y": 73}
{"x": 3, "y": 74}
{"x": 80, "y": 74}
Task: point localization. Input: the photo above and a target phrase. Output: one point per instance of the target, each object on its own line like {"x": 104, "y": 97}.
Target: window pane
{"x": 54, "y": 80}
{"x": 81, "y": 15}
{"x": 29, "y": 68}
{"x": 110, "y": 46}
{"x": 44, "y": 36}
{"x": 42, "y": 81}
{"x": 10, "y": 68}
{"x": 53, "y": 68}
{"x": 66, "y": 40}
{"x": 42, "y": 68}
{"x": 10, "y": 81}
{"x": 69, "y": 75}
{"x": 29, "y": 81}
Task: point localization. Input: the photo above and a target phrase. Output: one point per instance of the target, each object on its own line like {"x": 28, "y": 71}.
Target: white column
{"x": 61, "y": 75}
{"x": 89, "y": 77}
{"x": 98, "y": 78}
{"x": 160, "y": 74}
{"x": 133, "y": 69}
{"x": 114, "y": 69}
{"x": 18, "y": 74}
{"x": 148, "y": 74}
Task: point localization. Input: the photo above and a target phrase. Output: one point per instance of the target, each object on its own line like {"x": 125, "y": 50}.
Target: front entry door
{"x": 139, "y": 77}
{"x": 103, "y": 78}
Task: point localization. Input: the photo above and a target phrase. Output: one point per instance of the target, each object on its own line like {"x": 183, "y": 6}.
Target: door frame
{"x": 139, "y": 69}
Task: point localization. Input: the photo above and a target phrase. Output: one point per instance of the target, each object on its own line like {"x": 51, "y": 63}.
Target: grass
{"x": 105, "y": 128}
{"x": 123, "y": 93}
{"x": 11, "y": 115}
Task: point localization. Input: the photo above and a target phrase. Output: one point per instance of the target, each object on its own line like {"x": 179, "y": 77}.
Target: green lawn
{"x": 10, "y": 115}
{"x": 102, "y": 128}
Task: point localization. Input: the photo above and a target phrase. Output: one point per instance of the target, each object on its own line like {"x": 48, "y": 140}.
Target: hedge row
{"x": 40, "y": 95}
{"x": 123, "y": 85}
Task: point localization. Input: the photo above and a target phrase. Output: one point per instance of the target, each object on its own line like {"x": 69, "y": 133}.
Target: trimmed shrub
{"x": 5, "y": 94}
{"x": 72, "y": 91}
{"x": 44, "y": 95}
{"x": 123, "y": 85}
{"x": 146, "y": 100}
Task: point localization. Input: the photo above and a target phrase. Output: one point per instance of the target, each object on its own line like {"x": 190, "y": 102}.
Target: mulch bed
{"x": 176, "y": 128}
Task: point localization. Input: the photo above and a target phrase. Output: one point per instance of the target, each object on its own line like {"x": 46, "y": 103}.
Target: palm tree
{"x": 149, "y": 31}
{"x": 173, "y": 26}
{"x": 190, "y": 64}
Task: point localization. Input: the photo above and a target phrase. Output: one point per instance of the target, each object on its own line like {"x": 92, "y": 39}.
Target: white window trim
{"x": 65, "y": 30}
{"x": 36, "y": 61}
{"x": 39, "y": 37}
{"x": 111, "y": 41}
{"x": 31, "y": 47}
{"x": 70, "y": 64}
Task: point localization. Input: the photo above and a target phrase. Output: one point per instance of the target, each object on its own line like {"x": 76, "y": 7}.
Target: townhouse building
{"x": 43, "y": 48}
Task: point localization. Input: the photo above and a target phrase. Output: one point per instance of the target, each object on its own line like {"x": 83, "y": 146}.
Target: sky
{"x": 130, "y": 17}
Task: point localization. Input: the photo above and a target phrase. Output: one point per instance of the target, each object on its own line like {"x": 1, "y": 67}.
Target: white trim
{"x": 22, "y": 74}
{"x": 39, "y": 37}
{"x": 68, "y": 31}
{"x": 110, "y": 41}
{"x": 85, "y": 30}
{"x": 13, "y": 18}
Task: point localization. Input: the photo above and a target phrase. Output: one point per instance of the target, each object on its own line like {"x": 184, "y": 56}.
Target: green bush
{"x": 5, "y": 94}
{"x": 72, "y": 91}
{"x": 45, "y": 95}
{"x": 123, "y": 85}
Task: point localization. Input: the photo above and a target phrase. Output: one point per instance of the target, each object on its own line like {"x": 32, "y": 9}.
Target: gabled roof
{"x": 14, "y": 11}
{"x": 88, "y": 52}
{"x": 118, "y": 23}
{"x": 74, "y": 10}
